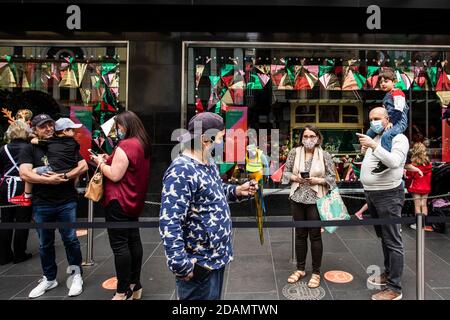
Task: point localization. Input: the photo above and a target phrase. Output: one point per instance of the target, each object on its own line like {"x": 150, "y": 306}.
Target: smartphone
{"x": 93, "y": 152}
{"x": 200, "y": 273}
{"x": 304, "y": 175}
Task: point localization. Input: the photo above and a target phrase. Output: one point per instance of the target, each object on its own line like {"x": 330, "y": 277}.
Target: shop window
{"x": 329, "y": 113}
{"x": 350, "y": 114}
{"x": 305, "y": 114}
{"x": 85, "y": 83}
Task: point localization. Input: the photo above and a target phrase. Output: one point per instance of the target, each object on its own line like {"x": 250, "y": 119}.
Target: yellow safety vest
{"x": 254, "y": 165}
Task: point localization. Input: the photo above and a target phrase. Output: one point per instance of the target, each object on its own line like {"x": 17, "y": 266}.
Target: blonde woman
{"x": 311, "y": 172}
{"x": 10, "y": 185}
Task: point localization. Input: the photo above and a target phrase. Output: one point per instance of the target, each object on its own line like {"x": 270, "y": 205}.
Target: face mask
{"x": 377, "y": 126}
{"x": 217, "y": 148}
{"x": 120, "y": 134}
{"x": 310, "y": 143}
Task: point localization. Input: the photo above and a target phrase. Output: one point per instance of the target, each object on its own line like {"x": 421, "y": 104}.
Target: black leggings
{"x": 302, "y": 212}
{"x": 126, "y": 246}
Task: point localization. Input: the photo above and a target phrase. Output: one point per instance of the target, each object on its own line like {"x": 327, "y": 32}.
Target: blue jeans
{"x": 208, "y": 289}
{"x": 57, "y": 213}
{"x": 388, "y": 135}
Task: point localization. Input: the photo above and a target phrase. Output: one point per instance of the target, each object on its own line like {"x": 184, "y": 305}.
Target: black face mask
{"x": 217, "y": 148}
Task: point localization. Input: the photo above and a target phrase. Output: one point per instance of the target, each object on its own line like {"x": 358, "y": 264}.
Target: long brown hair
{"x": 419, "y": 154}
{"x": 134, "y": 129}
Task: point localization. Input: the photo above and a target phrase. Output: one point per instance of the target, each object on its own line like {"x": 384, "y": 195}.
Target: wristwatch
{"x": 65, "y": 175}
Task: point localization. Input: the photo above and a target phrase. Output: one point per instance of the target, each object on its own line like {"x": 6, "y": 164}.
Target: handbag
{"x": 331, "y": 207}
{"x": 94, "y": 189}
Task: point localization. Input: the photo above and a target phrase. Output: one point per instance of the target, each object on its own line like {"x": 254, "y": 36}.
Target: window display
{"x": 87, "y": 83}
{"x": 333, "y": 89}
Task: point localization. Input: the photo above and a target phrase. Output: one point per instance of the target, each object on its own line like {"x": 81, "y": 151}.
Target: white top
{"x": 394, "y": 160}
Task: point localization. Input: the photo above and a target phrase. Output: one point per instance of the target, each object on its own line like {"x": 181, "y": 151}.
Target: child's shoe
{"x": 22, "y": 200}
{"x": 381, "y": 168}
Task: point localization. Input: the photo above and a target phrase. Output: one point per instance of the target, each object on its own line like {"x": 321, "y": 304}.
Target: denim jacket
{"x": 396, "y": 106}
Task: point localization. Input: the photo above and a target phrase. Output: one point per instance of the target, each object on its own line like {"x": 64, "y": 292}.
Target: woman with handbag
{"x": 126, "y": 174}
{"x": 311, "y": 172}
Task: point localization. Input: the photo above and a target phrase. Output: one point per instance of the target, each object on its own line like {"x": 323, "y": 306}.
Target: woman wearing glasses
{"x": 311, "y": 172}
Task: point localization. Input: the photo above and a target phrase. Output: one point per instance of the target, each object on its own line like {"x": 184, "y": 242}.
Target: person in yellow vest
{"x": 257, "y": 167}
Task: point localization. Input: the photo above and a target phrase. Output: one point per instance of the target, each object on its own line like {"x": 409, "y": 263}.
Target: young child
{"x": 395, "y": 103}
{"x": 419, "y": 183}
{"x": 61, "y": 156}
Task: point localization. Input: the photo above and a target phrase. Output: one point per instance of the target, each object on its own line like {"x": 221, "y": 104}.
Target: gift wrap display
{"x": 88, "y": 89}
{"x": 221, "y": 84}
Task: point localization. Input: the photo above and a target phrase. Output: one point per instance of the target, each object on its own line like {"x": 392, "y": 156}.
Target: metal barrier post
{"x": 294, "y": 257}
{"x": 420, "y": 252}
{"x": 90, "y": 237}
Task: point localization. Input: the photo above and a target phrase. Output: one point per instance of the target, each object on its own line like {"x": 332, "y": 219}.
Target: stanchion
{"x": 420, "y": 252}
{"x": 293, "y": 257}
{"x": 90, "y": 237}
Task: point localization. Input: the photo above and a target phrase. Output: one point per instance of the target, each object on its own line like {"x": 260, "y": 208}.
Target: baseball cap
{"x": 40, "y": 119}
{"x": 66, "y": 123}
{"x": 201, "y": 123}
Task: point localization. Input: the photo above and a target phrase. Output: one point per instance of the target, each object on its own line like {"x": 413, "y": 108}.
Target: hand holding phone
{"x": 305, "y": 174}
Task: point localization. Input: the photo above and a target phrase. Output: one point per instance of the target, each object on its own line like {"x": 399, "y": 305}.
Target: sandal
{"x": 296, "y": 276}
{"x": 314, "y": 282}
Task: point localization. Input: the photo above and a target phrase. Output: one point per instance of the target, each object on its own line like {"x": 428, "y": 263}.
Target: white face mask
{"x": 310, "y": 143}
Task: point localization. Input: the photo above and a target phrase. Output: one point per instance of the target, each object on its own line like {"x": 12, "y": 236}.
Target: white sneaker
{"x": 42, "y": 287}
{"x": 413, "y": 226}
{"x": 77, "y": 286}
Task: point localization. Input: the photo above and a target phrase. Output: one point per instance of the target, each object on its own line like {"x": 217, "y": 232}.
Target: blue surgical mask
{"x": 377, "y": 126}
{"x": 120, "y": 134}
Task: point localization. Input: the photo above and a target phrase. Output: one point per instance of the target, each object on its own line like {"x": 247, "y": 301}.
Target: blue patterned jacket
{"x": 194, "y": 220}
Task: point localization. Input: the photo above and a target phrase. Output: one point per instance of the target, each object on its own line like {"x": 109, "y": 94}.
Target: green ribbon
{"x": 324, "y": 70}
{"x": 107, "y": 67}
{"x": 371, "y": 70}
{"x": 432, "y": 75}
{"x": 226, "y": 69}
{"x": 217, "y": 109}
{"x": 254, "y": 82}
{"x": 360, "y": 79}
{"x": 214, "y": 80}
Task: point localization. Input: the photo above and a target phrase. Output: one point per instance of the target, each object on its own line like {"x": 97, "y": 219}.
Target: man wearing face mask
{"x": 385, "y": 197}
{"x": 195, "y": 221}
{"x": 395, "y": 104}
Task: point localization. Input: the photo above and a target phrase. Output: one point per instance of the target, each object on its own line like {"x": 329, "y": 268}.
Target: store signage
{"x": 74, "y": 20}
{"x": 374, "y": 20}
